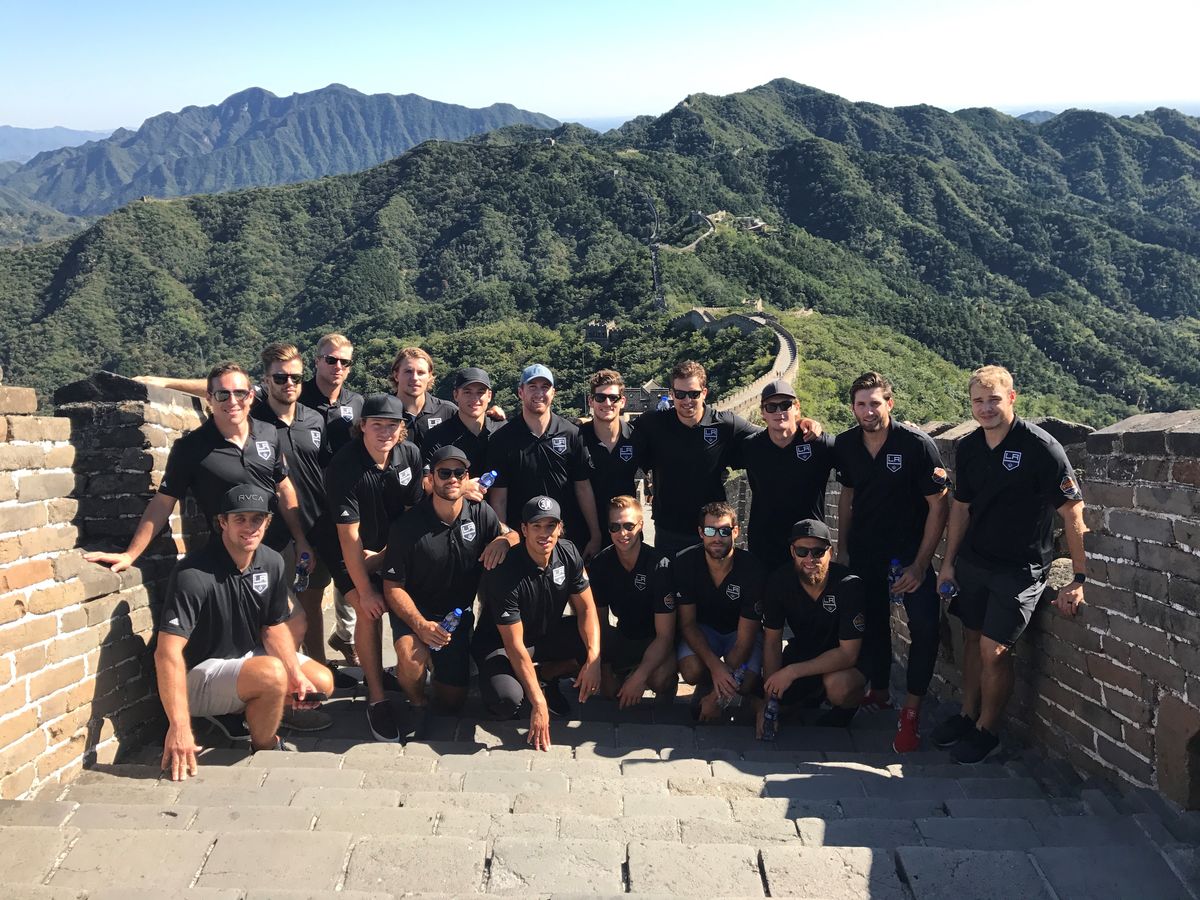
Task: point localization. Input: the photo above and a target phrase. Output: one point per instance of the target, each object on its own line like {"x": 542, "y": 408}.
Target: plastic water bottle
{"x": 301, "y": 584}
{"x": 948, "y": 591}
{"x": 487, "y": 479}
{"x": 895, "y": 573}
{"x": 449, "y": 624}
{"x": 734, "y": 700}
{"x": 770, "y": 729}
{"x": 663, "y": 403}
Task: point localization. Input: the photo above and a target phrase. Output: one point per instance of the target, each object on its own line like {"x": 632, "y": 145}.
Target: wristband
{"x": 1080, "y": 578}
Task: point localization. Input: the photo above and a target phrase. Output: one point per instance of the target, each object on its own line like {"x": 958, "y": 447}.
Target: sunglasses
{"x": 814, "y": 552}
{"x": 714, "y": 530}
{"x": 285, "y": 377}
{"x": 781, "y": 406}
{"x": 239, "y": 395}
{"x": 606, "y": 398}
{"x": 615, "y": 527}
{"x": 447, "y": 474}
{"x": 686, "y": 395}
{"x": 337, "y": 361}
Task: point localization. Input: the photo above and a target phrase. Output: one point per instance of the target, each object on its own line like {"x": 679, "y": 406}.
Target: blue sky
{"x": 103, "y": 64}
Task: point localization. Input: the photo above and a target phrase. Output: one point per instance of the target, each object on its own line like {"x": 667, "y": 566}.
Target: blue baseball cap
{"x": 537, "y": 370}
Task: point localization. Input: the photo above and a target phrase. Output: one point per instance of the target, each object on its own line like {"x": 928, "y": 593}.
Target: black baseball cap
{"x": 245, "y": 498}
{"x": 811, "y": 528}
{"x": 541, "y": 508}
{"x": 471, "y": 375}
{"x": 780, "y": 387}
{"x": 382, "y": 406}
{"x": 441, "y": 454}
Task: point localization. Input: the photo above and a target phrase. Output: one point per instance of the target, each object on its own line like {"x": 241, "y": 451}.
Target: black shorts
{"x": 561, "y": 642}
{"x": 622, "y": 652}
{"x": 452, "y": 664}
{"x": 345, "y": 584}
{"x": 997, "y": 602}
{"x": 808, "y": 690}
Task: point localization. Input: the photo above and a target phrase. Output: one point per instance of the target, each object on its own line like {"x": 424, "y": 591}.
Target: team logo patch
{"x": 830, "y": 603}
{"x": 733, "y": 591}
{"x": 710, "y": 436}
{"x": 558, "y": 444}
{"x": 544, "y": 503}
{"x": 258, "y": 582}
{"x": 804, "y": 451}
{"x": 894, "y": 461}
{"x": 263, "y": 448}
{"x": 431, "y": 422}
{"x": 316, "y": 437}
{"x": 626, "y": 452}
{"x": 559, "y": 574}
{"x": 1069, "y": 488}
{"x": 940, "y": 476}
{"x": 860, "y": 622}
{"x": 669, "y": 602}
{"x": 468, "y": 531}
{"x": 347, "y": 413}
{"x": 639, "y": 581}
{"x": 404, "y": 476}
{"x": 1012, "y": 459}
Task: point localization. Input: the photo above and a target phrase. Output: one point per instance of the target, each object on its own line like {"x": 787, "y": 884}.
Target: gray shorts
{"x": 722, "y": 645}
{"x": 212, "y": 685}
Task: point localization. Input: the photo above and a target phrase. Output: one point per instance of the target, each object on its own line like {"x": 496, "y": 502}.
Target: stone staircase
{"x": 641, "y": 802}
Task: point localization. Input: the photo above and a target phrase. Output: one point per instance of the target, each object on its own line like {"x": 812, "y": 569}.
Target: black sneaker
{"x": 975, "y": 747}
{"x": 343, "y": 679}
{"x": 417, "y": 728}
{"x": 837, "y": 717}
{"x": 382, "y": 722}
{"x": 232, "y": 725}
{"x": 950, "y": 732}
{"x": 560, "y": 706}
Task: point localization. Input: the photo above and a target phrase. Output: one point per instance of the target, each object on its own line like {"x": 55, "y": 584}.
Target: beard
{"x": 816, "y": 576}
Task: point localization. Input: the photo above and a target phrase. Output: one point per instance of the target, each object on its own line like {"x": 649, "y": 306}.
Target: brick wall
{"x": 75, "y": 679}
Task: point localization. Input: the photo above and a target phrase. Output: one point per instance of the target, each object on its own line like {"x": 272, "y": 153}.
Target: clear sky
{"x": 102, "y": 64}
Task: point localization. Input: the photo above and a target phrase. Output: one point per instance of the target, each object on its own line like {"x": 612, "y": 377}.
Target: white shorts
{"x": 212, "y": 685}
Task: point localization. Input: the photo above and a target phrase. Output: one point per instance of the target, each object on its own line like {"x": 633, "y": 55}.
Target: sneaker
{"x": 305, "y": 719}
{"x": 950, "y": 732}
{"x": 837, "y": 717}
{"x": 280, "y": 745}
{"x": 382, "y": 722}
{"x": 876, "y": 701}
{"x": 417, "y": 728}
{"x": 343, "y": 679}
{"x": 907, "y": 738}
{"x": 560, "y": 706}
{"x": 232, "y": 725}
{"x": 975, "y": 747}
{"x": 345, "y": 647}
{"x": 390, "y": 682}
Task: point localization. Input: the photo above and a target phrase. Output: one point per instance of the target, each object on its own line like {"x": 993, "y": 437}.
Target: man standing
{"x": 787, "y": 471}
{"x": 609, "y": 440}
{"x": 368, "y": 484}
{"x": 823, "y": 606}
{"x": 471, "y": 428}
{"x": 718, "y": 598}
{"x": 522, "y": 622}
{"x": 633, "y": 580}
{"x": 223, "y": 647}
{"x": 412, "y": 378}
{"x": 436, "y": 554}
{"x": 893, "y": 506}
{"x": 1010, "y": 477}
{"x": 541, "y": 454}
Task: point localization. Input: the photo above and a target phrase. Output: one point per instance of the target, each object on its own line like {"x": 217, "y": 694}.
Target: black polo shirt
{"x": 307, "y": 452}
{"x": 338, "y": 416}
{"x": 208, "y": 465}
{"x": 454, "y": 431}
{"x": 788, "y": 485}
{"x": 432, "y": 414}
{"x": 518, "y": 590}
{"x": 817, "y": 625}
{"x": 689, "y": 464}
{"x": 357, "y": 490}
{"x": 636, "y": 596}
{"x": 219, "y": 610}
{"x": 1014, "y": 491}
{"x": 438, "y": 563}
{"x": 529, "y": 466}
{"x": 613, "y": 471}
{"x": 719, "y": 606}
{"x": 889, "y": 508}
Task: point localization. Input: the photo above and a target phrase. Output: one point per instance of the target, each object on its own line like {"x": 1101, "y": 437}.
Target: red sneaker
{"x": 876, "y": 701}
{"x": 907, "y": 737}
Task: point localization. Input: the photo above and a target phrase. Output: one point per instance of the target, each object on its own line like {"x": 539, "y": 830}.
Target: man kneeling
{"x": 224, "y": 647}
{"x": 823, "y": 604}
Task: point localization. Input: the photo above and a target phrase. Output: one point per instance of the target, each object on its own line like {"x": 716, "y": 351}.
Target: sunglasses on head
{"x": 447, "y": 474}
{"x": 606, "y": 398}
{"x": 779, "y": 406}
{"x": 239, "y": 395}
{"x": 686, "y": 395}
{"x": 615, "y": 527}
{"x": 285, "y": 377}
{"x": 814, "y": 552}
{"x": 714, "y": 530}
{"x": 338, "y": 361}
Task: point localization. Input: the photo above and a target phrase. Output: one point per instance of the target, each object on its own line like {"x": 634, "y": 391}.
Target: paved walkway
{"x": 642, "y": 803}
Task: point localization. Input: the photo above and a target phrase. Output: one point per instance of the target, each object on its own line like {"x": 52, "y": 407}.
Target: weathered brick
{"x": 22, "y": 574}
{"x": 45, "y": 486}
{"x": 1140, "y": 635}
{"x": 98, "y": 581}
{"x": 29, "y": 631}
{"x": 1139, "y": 740}
{"x": 1187, "y": 656}
{"x": 12, "y": 607}
{"x": 49, "y": 539}
{"x": 1139, "y": 525}
{"x": 22, "y": 518}
{"x": 1106, "y": 494}
{"x": 13, "y": 697}
{"x": 1136, "y": 468}
{"x": 21, "y": 456}
{"x": 61, "y": 510}
{"x": 1186, "y": 471}
{"x": 1153, "y": 441}
{"x": 1078, "y": 681}
{"x": 68, "y": 565}
{"x": 55, "y": 679}
{"x": 10, "y": 550}
{"x": 17, "y": 401}
{"x": 1110, "y": 599}
{"x": 1161, "y": 671}
{"x": 16, "y": 727}
{"x": 1095, "y": 518}
{"x": 78, "y": 644}
{"x": 62, "y": 755}
{"x": 3, "y": 428}
{"x": 59, "y": 595}
{"x": 1169, "y": 559}
{"x": 1067, "y": 723}
{"x": 23, "y": 750}
{"x": 61, "y": 456}
{"x": 68, "y": 725}
{"x": 1124, "y": 760}
{"x": 15, "y": 785}
{"x": 1131, "y": 708}
{"x": 73, "y": 619}
{"x": 38, "y": 428}
{"x": 8, "y": 486}
{"x": 28, "y": 660}
{"x": 1113, "y": 547}
{"x": 129, "y": 459}
{"x": 1099, "y": 718}
{"x": 1136, "y": 578}
{"x": 1106, "y": 671}
{"x": 1156, "y": 498}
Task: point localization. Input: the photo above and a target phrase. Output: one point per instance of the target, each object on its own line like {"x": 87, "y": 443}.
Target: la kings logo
{"x": 468, "y": 531}
{"x": 626, "y": 452}
{"x": 559, "y": 574}
{"x": 404, "y": 476}
{"x": 733, "y": 592}
{"x": 804, "y": 452}
{"x": 263, "y": 448}
{"x": 894, "y": 461}
{"x": 316, "y": 437}
{"x": 258, "y": 582}
{"x": 639, "y": 581}
{"x": 558, "y": 444}
{"x": 710, "y": 436}
{"x": 1012, "y": 459}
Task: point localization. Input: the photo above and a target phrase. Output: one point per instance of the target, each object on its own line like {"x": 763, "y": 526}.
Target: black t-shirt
{"x": 689, "y": 464}
{"x": 613, "y": 471}
{"x": 338, "y": 416}
{"x": 719, "y": 606}
{"x": 788, "y": 485}
{"x": 220, "y": 610}
{"x": 357, "y": 490}
{"x": 432, "y": 414}
{"x": 1013, "y": 491}
{"x": 208, "y": 465}
{"x": 817, "y": 625}
{"x": 453, "y": 431}
{"x": 529, "y": 466}
{"x": 889, "y": 508}
{"x": 307, "y": 452}
{"x": 518, "y": 590}
{"x": 635, "y": 597}
{"x": 438, "y": 564}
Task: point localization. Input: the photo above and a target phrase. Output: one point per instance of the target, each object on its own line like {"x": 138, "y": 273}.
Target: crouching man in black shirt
{"x": 224, "y": 647}
{"x": 522, "y": 622}
{"x": 823, "y": 604}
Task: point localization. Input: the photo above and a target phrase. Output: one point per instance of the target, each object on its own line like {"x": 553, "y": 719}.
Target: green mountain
{"x": 20, "y": 144}
{"x": 24, "y": 221}
{"x": 925, "y": 241}
{"x": 253, "y": 138}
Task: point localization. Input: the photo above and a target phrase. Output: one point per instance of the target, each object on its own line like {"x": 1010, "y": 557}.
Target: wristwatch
{"x": 1080, "y": 578}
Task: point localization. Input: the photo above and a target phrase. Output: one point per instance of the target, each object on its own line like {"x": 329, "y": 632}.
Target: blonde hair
{"x": 624, "y": 501}
{"x": 991, "y": 377}
{"x": 332, "y": 341}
